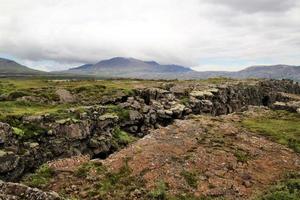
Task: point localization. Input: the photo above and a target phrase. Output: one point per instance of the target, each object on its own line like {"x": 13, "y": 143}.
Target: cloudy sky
{"x": 203, "y": 34}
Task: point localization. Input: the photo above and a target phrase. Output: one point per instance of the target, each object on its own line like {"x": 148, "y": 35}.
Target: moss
{"x": 40, "y": 178}
{"x": 18, "y": 132}
{"x": 190, "y": 177}
{"x": 280, "y": 126}
{"x": 24, "y": 131}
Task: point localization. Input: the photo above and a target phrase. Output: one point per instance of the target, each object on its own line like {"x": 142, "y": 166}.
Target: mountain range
{"x": 120, "y": 67}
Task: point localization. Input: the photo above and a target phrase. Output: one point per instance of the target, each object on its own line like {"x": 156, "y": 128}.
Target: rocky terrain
{"x": 148, "y": 139}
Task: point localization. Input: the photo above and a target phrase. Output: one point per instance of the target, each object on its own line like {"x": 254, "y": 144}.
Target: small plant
{"x": 19, "y": 132}
{"x": 85, "y": 168}
{"x": 160, "y": 191}
{"x": 122, "y": 137}
{"x": 190, "y": 178}
{"x": 185, "y": 100}
{"x": 122, "y": 113}
{"x": 40, "y": 178}
{"x": 241, "y": 156}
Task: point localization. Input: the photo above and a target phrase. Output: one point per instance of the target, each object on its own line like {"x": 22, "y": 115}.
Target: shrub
{"x": 159, "y": 193}
{"x": 190, "y": 178}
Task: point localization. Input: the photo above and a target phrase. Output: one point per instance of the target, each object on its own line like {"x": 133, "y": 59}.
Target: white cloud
{"x": 62, "y": 33}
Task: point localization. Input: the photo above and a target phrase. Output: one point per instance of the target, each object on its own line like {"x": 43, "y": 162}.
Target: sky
{"x": 226, "y": 35}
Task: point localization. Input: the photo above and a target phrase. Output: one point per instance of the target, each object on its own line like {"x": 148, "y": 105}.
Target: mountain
{"x": 11, "y": 67}
{"x": 129, "y": 67}
{"x": 271, "y": 71}
{"x": 134, "y": 68}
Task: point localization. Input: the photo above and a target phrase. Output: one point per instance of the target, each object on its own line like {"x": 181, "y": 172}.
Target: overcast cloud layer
{"x": 205, "y": 34}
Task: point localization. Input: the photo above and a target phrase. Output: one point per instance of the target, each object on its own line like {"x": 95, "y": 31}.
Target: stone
{"x": 15, "y": 191}
{"x": 65, "y": 96}
{"x": 135, "y": 115}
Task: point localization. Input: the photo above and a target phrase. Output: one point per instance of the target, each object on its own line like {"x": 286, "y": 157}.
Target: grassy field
{"x": 280, "y": 126}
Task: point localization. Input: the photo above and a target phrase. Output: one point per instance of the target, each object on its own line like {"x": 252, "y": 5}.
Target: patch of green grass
{"x": 85, "y": 168}
{"x": 122, "y": 137}
{"x": 185, "y": 100}
{"x": 111, "y": 185}
{"x": 9, "y": 108}
{"x": 241, "y": 156}
{"x": 281, "y": 126}
{"x": 40, "y": 178}
{"x": 289, "y": 189}
{"x": 122, "y": 113}
{"x": 190, "y": 177}
{"x": 159, "y": 192}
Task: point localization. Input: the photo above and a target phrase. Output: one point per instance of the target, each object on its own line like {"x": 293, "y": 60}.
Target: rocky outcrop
{"x": 15, "y": 191}
{"x": 90, "y": 130}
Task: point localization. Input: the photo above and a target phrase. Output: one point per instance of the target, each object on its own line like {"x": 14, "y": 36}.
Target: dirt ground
{"x": 202, "y": 156}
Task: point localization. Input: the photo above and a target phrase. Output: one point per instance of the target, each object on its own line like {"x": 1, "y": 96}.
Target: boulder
{"x": 16, "y": 191}
{"x": 65, "y": 96}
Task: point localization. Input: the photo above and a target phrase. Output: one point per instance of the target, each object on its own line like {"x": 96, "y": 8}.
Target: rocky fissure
{"x": 91, "y": 130}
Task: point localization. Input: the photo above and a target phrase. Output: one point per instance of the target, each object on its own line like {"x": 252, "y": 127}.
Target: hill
{"x": 129, "y": 67}
{"x": 12, "y": 67}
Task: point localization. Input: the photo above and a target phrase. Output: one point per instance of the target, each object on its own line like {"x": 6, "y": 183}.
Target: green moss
{"x": 18, "y": 132}
{"x": 280, "y": 126}
{"x": 190, "y": 177}
{"x": 40, "y": 178}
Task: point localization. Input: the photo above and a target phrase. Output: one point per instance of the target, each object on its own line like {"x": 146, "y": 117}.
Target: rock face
{"x": 15, "y": 191}
{"x": 92, "y": 131}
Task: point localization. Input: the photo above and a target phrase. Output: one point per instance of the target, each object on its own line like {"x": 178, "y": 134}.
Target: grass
{"x": 85, "y": 168}
{"x": 40, "y": 178}
{"x": 280, "y": 126}
{"x": 111, "y": 185}
{"x": 241, "y": 156}
{"x": 159, "y": 192}
{"x": 190, "y": 177}
{"x": 122, "y": 138}
{"x": 122, "y": 113}
{"x": 288, "y": 189}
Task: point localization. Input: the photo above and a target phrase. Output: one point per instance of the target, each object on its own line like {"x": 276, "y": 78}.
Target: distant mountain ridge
{"x": 120, "y": 67}
{"x": 11, "y": 67}
{"x": 134, "y": 68}
{"x": 127, "y": 67}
